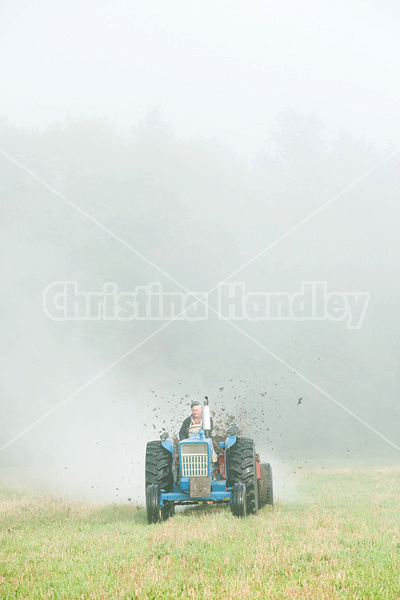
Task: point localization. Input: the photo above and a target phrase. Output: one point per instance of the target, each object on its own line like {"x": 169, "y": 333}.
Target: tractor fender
{"x": 168, "y": 444}
{"x": 230, "y": 441}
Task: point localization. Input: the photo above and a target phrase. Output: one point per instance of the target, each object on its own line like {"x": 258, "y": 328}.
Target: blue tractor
{"x": 191, "y": 477}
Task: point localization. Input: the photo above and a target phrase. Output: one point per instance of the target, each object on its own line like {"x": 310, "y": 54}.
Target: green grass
{"x": 341, "y": 539}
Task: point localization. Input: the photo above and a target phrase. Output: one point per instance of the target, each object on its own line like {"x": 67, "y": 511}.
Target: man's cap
{"x": 195, "y": 403}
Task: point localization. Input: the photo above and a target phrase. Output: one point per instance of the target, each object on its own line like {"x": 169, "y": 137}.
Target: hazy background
{"x": 198, "y": 134}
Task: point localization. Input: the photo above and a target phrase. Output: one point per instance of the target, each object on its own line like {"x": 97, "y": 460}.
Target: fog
{"x": 187, "y": 145}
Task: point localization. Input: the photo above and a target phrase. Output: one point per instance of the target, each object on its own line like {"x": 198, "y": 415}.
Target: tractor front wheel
{"x": 239, "y": 500}
{"x": 153, "y": 504}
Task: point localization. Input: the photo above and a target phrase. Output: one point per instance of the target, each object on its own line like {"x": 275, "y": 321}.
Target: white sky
{"x": 218, "y": 68}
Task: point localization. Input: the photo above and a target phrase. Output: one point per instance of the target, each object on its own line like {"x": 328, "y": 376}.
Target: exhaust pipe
{"x": 206, "y": 418}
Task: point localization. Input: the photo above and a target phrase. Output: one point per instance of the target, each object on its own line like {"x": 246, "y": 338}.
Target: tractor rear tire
{"x": 265, "y": 487}
{"x": 239, "y": 500}
{"x": 242, "y": 468}
{"x": 159, "y": 472}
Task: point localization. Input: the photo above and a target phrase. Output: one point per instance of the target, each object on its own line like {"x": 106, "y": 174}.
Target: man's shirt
{"x": 187, "y": 423}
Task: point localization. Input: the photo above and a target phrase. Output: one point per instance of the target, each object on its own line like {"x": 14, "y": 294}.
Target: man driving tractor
{"x": 194, "y": 422}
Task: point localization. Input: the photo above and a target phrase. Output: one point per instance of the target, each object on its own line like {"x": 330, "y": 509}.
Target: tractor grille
{"x": 194, "y": 460}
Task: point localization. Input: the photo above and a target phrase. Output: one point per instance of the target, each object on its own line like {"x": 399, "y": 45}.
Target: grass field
{"x": 340, "y": 539}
